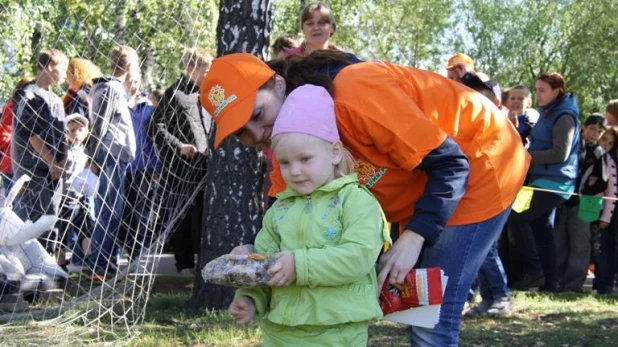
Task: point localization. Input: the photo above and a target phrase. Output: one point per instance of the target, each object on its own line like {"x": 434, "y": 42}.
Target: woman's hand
{"x": 603, "y": 225}
{"x": 243, "y": 249}
{"x": 243, "y": 310}
{"x": 283, "y": 273}
{"x": 397, "y": 262}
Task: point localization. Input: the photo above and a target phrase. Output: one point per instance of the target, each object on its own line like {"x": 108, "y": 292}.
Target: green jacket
{"x": 336, "y": 235}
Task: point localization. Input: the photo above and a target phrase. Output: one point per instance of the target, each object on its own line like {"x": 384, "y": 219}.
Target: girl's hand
{"x": 283, "y": 273}
{"x": 397, "y": 262}
{"x": 243, "y": 310}
{"x": 603, "y": 225}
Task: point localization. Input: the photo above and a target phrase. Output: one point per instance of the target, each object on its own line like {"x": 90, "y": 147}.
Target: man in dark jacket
{"x": 37, "y": 146}
{"x": 112, "y": 145}
{"x": 180, "y": 129}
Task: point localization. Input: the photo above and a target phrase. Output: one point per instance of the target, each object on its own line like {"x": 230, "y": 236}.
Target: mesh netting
{"x": 82, "y": 225}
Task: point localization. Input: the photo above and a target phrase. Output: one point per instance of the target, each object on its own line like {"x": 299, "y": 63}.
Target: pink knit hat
{"x": 308, "y": 110}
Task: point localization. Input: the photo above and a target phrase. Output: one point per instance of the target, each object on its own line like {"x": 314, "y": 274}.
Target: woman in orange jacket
{"x": 441, "y": 159}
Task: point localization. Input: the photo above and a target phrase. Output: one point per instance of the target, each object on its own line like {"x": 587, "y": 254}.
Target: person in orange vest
{"x": 440, "y": 158}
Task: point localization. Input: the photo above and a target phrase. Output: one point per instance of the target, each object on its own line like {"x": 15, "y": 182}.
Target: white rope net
{"x": 78, "y": 248}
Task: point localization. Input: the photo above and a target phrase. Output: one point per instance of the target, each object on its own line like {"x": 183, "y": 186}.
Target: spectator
{"x": 80, "y": 74}
{"x": 611, "y": 112}
{"x": 141, "y": 174}
{"x": 603, "y": 231}
{"x": 113, "y": 146}
{"x": 77, "y": 214}
{"x": 6, "y": 132}
{"x": 520, "y": 114}
{"x": 38, "y": 148}
{"x": 284, "y": 43}
{"x": 180, "y": 129}
{"x": 572, "y": 235}
{"x": 554, "y": 147}
{"x": 458, "y": 64}
{"x": 155, "y": 97}
{"x": 318, "y": 26}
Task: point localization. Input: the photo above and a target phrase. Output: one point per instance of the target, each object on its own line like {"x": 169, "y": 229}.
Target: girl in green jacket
{"x": 326, "y": 230}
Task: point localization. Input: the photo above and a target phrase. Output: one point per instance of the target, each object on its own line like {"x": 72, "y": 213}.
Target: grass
{"x": 538, "y": 320}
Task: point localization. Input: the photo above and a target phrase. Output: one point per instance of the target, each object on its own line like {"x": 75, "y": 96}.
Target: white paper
{"x": 422, "y": 316}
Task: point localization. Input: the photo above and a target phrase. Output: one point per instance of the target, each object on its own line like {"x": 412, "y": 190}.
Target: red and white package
{"x": 421, "y": 287}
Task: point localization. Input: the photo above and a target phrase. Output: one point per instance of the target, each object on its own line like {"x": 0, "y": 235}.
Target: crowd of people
{"x": 350, "y": 145}
{"x": 112, "y": 165}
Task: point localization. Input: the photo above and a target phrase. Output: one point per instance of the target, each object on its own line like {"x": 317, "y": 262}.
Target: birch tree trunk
{"x": 233, "y": 202}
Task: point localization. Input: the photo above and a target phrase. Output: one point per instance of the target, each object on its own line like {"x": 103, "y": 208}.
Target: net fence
{"x": 96, "y": 177}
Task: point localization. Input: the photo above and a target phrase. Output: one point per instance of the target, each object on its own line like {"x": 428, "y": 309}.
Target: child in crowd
{"x": 611, "y": 112}
{"x": 6, "y": 131}
{"x": 603, "y": 232}
{"x": 326, "y": 230}
{"x": 77, "y": 213}
{"x": 572, "y": 235}
{"x": 520, "y": 113}
{"x": 284, "y": 43}
{"x": 155, "y": 97}
{"x": 141, "y": 173}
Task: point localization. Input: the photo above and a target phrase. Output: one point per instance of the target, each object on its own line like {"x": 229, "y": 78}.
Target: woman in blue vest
{"x": 554, "y": 147}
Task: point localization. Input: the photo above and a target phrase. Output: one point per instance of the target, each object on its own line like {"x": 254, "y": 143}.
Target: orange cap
{"x": 460, "y": 59}
{"x": 229, "y": 89}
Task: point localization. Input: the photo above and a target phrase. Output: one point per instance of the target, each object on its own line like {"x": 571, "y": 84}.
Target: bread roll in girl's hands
{"x": 241, "y": 271}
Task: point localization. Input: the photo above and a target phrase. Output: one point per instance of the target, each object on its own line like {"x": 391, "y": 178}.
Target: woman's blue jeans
{"x": 459, "y": 251}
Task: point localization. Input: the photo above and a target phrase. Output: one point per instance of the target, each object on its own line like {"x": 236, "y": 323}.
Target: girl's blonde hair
{"x": 345, "y": 167}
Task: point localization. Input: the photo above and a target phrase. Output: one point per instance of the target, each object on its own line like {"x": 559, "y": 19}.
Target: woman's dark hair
{"x": 555, "y": 81}
{"x": 298, "y": 71}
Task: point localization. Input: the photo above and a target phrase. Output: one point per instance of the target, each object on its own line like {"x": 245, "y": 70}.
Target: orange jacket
{"x": 391, "y": 116}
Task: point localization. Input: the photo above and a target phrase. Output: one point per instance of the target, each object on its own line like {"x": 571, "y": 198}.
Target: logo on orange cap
{"x": 216, "y": 96}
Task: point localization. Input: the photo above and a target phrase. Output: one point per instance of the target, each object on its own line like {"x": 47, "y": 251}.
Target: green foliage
{"x": 402, "y": 31}
{"x": 157, "y": 29}
{"x": 406, "y": 32}
{"x": 515, "y": 41}
{"x": 285, "y": 18}
{"x": 512, "y": 41}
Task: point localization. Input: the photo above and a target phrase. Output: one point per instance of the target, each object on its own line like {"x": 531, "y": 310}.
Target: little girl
{"x": 603, "y": 232}
{"x": 326, "y": 230}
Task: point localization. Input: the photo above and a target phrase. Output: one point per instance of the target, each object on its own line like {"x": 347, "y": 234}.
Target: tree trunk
{"x": 233, "y": 202}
